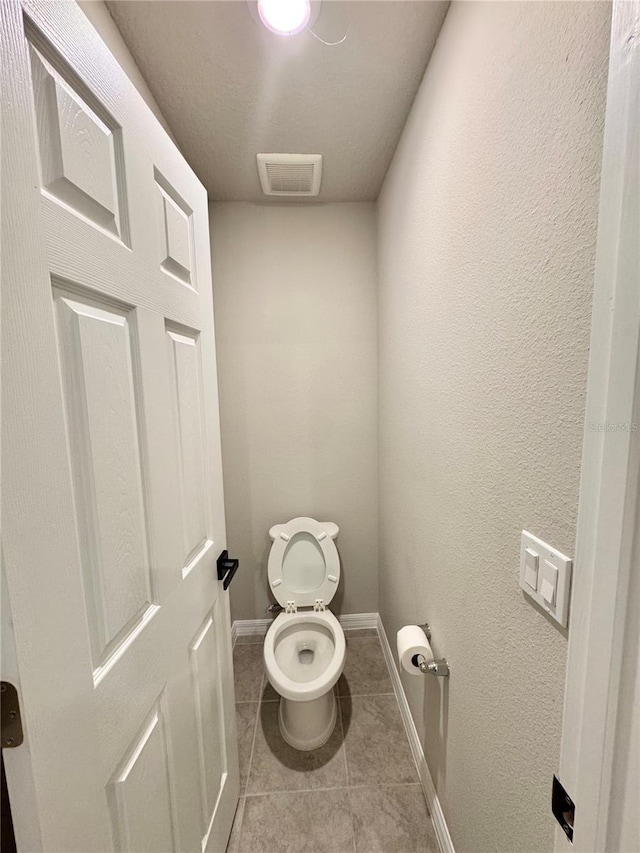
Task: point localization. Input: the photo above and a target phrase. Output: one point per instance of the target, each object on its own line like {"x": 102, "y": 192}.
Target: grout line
{"x": 257, "y": 701}
{"x": 346, "y": 767}
{"x": 253, "y": 740}
{"x": 344, "y": 745}
{"x": 363, "y": 695}
{"x": 346, "y": 770}
{"x": 353, "y": 825}
{"x": 334, "y": 788}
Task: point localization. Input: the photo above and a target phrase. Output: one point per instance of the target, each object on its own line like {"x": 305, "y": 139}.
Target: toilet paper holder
{"x": 438, "y": 666}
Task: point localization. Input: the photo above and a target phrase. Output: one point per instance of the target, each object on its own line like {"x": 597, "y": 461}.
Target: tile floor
{"x": 359, "y": 793}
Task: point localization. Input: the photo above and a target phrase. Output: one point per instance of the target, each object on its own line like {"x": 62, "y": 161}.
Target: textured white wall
{"x": 487, "y": 230}
{"x": 295, "y": 310}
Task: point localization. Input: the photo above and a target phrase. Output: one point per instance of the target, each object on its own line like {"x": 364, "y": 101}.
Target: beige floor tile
{"x": 250, "y": 640}
{"x": 275, "y": 766}
{"x": 248, "y": 669}
{"x": 391, "y": 819}
{"x": 365, "y": 670}
{"x": 309, "y": 821}
{"x": 375, "y": 742}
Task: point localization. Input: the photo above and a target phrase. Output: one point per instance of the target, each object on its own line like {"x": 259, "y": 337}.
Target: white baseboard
{"x": 358, "y": 620}
{"x": 249, "y": 628}
{"x": 443, "y": 837}
{"x": 259, "y": 627}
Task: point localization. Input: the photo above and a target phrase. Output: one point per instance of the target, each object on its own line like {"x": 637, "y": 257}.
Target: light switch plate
{"x": 531, "y": 565}
{"x": 548, "y": 559}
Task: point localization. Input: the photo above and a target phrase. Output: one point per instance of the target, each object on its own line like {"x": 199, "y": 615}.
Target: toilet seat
{"x": 304, "y": 691}
{"x": 304, "y": 566}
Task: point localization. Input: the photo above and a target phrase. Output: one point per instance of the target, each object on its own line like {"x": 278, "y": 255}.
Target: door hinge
{"x": 563, "y": 808}
{"x": 10, "y": 716}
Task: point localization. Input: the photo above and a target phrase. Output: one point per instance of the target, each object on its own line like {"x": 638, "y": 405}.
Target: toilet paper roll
{"x": 412, "y": 641}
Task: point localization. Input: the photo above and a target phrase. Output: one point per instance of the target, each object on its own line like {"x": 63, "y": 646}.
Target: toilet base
{"x": 308, "y": 725}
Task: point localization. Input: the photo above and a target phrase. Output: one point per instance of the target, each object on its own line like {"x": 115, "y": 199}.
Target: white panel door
{"x": 112, "y": 503}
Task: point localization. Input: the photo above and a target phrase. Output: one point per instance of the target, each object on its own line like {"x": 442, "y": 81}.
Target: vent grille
{"x": 289, "y": 178}
{"x": 290, "y": 174}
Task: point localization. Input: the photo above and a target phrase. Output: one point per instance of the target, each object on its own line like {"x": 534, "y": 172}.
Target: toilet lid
{"x": 303, "y": 563}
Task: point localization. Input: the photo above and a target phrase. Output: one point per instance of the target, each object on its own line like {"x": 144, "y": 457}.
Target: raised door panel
{"x": 176, "y": 232}
{"x": 99, "y": 380}
{"x": 208, "y": 702}
{"x": 140, "y": 794}
{"x": 80, "y": 147}
{"x": 183, "y": 349}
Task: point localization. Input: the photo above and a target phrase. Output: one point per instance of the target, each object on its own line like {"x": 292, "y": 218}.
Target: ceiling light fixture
{"x": 285, "y": 17}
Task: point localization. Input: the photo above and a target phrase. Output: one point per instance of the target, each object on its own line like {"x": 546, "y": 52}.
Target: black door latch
{"x": 563, "y": 808}
{"x": 227, "y": 568}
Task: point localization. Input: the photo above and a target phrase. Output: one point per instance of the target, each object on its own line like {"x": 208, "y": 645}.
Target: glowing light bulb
{"x": 285, "y": 17}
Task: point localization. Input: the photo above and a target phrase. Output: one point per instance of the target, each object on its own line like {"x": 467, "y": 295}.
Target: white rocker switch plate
{"x": 550, "y": 582}
{"x": 531, "y": 560}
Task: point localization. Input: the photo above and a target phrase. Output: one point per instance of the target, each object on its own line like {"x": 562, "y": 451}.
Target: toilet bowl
{"x": 305, "y": 649}
{"x": 304, "y": 656}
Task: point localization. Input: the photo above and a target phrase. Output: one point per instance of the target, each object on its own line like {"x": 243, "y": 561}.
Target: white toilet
{"x": 305, "y": 649}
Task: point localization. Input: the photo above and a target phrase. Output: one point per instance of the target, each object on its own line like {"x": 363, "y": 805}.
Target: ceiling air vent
{"x": 290, "y": 174}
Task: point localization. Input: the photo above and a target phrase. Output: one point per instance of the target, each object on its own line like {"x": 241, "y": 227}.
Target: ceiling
{"x": 229, "y": 88}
